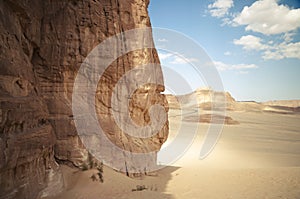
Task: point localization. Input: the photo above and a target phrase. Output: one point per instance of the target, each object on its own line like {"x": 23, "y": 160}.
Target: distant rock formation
{"x": 213, "y": 106}
{"x": 201, "y": 98}
{"x": 286, "y": 103}
{"x": 207, "y": 99}
{"x": 42, "y": 46}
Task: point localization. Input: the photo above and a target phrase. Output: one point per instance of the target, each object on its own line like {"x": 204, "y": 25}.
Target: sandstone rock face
{"x": 43, "y": 44}
{"x": 202, "y": 98}
{"x": 26, "y": 135}
{"x": 212, "y": 106}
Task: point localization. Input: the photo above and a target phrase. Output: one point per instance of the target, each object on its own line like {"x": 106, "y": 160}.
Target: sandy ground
{"x": 257, "y": 159}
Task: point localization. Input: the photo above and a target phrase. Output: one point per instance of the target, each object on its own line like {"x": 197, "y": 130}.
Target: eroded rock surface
{"x": 43, "y": 44}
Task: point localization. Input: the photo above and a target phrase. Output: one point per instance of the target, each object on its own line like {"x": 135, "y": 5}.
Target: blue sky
{"x": 255, "y": 45}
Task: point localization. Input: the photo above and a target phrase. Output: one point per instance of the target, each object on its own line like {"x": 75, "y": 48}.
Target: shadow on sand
{"x": 80, "y": 185}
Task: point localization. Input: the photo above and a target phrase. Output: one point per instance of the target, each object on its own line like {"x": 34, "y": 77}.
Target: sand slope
{"x": 258, "y": 158}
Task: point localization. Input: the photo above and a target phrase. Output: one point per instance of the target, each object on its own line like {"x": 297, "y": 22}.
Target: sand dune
{"x": 258, "y": 158}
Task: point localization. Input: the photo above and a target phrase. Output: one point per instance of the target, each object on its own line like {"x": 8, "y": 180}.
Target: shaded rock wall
{"x": 42, "y": 46}
{"x": 27, "y": 137}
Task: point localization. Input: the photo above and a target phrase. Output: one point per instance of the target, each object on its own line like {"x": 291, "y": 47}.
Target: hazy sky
{"x": 255, "y": 45}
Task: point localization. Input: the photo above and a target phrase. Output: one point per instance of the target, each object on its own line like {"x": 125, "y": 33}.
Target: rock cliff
{"x": 43, "y": 44}
{"x": 202, "y": 98}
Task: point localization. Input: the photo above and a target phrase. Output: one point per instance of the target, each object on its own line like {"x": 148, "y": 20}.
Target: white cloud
{"x": 250, "y": 42}
{"x": 223, "y": 67}
{"x": 180, "y": 60}
{"x": 291, "y": 50}
{"x": 175, "y": 58}
{"x": 283, "y": 50}
{"x": 269, "y": 54}
{"x": 243, "y": 72}
{"x": 270, "y": 50}
{"x": 288, "y": 37}
{"x": 163, "y": 56}
{"x": 163, "y": 40}
{"x": 220, "y": 7}
{"x": 267, "y": 17}
{"x": 226, "y": 21}
{"x": 277, "y": 22}
{"x": 227, "y": 53}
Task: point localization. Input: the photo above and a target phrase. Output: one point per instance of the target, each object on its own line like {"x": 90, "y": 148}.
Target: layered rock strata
{"x": 43, "y": 44}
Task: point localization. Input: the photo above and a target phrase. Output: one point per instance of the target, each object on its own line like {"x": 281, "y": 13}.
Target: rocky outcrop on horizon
{"x": 286, "y": 103}
{"x": 43, "y": 44}
{"x": 202, "y": 98}
{"x": 214, "y": 104}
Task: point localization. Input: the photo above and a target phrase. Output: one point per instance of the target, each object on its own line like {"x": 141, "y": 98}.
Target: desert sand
{"x": 257, "y": 158}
